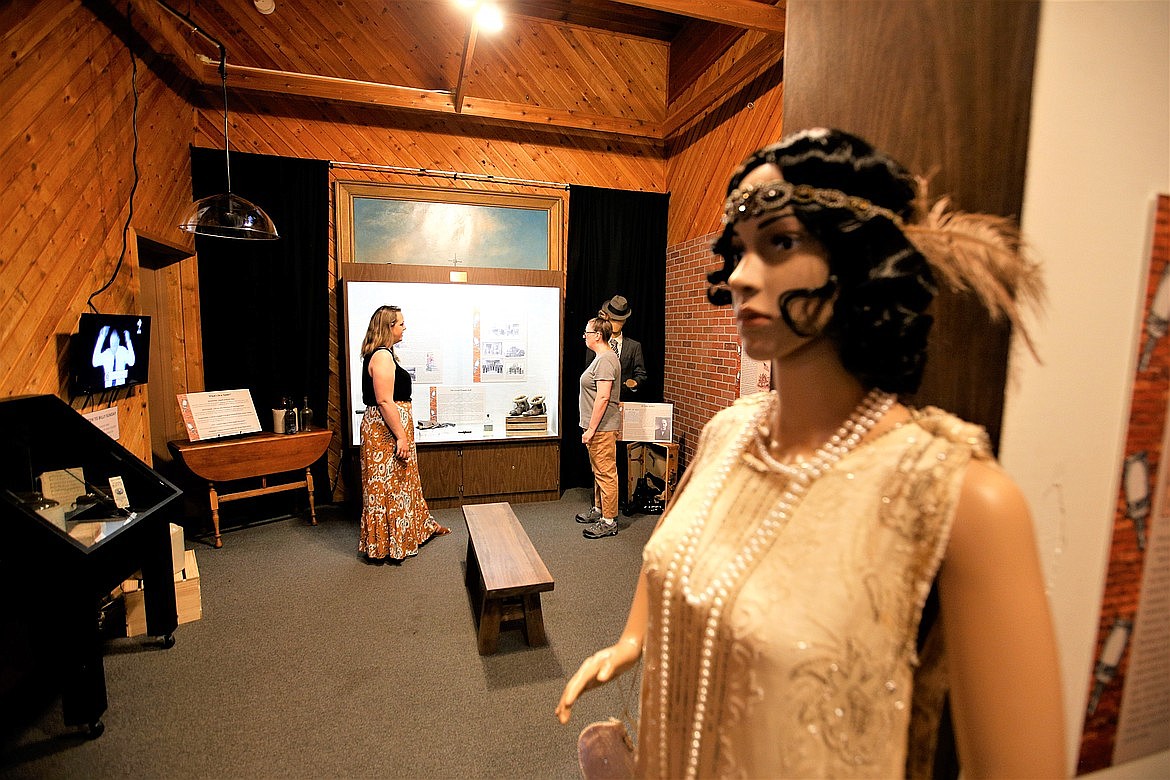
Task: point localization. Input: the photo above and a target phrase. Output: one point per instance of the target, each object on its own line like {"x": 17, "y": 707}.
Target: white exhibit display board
{"x": 470, "y": 350}
{"x": 218, "y": 413}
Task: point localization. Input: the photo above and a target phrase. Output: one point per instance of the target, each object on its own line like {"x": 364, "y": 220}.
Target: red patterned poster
{"x": 1129, "y": 686}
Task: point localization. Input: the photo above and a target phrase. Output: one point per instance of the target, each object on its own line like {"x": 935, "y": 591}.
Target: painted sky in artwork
{"x": 412, "y": 232}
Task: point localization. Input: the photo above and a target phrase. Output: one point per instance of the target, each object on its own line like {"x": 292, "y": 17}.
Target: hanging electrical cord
{"x": 133, "y": 159}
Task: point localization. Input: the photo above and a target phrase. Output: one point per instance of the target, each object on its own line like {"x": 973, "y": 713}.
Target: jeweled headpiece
{"x": 752, "y": 200}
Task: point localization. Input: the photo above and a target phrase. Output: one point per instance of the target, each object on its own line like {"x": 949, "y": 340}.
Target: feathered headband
{"x": 978, "y": 253}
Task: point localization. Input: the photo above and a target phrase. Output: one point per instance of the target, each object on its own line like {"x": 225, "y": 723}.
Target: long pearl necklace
{"x": 715, "y": 596}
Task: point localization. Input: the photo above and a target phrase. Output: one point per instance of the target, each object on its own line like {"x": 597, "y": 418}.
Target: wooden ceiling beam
{"x": 162, "y": 23}
{"x": 568, "y": 119}
{"x": 735, "y": 13}
{"x": 465, "y": 61}
{"x": 411, "y": 98}
{"x": 759, "y": 58}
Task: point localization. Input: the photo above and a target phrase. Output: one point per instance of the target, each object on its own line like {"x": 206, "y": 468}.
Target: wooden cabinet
{"x": 478, "y": 472}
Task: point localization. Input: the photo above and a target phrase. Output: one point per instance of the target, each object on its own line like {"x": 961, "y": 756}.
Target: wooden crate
{"x": 536, "y": 425}
{"x": 187, "y": 597}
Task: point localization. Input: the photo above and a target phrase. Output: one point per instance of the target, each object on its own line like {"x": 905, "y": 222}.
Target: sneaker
{"x": 592, "y": 516}
{"x": 601, "y": 529}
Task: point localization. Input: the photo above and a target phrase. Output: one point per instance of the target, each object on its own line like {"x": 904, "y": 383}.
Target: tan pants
{"x": 603, "y": 460}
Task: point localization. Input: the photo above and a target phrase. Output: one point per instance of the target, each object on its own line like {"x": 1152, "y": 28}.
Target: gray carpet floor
{"x": 309, "y": 662}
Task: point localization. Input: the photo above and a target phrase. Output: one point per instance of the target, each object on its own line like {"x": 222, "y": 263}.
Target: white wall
{"x": 1099, "y": 154}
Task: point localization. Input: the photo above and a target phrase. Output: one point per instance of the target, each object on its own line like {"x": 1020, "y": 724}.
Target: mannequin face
{"x": 617, "y": 326}
{"x": 777, "y": 254}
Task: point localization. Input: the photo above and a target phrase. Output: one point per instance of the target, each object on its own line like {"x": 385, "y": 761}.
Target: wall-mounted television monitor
{"x": 109, "y": 351}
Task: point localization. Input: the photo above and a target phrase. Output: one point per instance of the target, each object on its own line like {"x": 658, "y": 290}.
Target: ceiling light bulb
{"x": 490, "y": 18}
{"x": 265, "y": 6}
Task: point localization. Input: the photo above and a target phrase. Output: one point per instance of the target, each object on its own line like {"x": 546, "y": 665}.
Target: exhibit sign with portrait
{"x": 647, "y": 422}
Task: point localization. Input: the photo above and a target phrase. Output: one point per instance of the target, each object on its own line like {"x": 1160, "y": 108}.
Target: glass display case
{"x": 81, "y": 514}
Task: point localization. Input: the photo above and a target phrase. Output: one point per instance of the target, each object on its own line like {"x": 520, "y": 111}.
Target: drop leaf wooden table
{"x": 259, "y": 455}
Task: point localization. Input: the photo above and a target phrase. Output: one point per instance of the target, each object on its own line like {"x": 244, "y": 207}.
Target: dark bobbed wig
{"x": 884, "y": 284}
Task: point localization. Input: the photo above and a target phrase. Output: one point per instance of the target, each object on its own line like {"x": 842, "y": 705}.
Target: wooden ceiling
{"x": 630, "y": 68}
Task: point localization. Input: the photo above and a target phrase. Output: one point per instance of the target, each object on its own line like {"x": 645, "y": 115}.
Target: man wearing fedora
{"x": 617, "y": 310}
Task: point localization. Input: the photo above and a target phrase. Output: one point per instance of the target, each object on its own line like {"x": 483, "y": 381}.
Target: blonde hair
{"x": 378, "y": 334}
{"x": 601, "y": 326}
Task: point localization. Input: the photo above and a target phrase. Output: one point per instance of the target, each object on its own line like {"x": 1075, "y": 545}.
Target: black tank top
{"x": 401, "y": 380}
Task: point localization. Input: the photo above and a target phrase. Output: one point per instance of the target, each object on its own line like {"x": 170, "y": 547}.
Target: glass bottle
{"x": 290, "y": 417}
{"x": 306, "y": 415}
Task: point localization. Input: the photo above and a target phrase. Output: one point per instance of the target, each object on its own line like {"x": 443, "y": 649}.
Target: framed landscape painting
{"x": 457, "y": 228}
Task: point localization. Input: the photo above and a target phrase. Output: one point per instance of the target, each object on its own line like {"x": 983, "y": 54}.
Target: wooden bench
{"x": 505, "y": 576}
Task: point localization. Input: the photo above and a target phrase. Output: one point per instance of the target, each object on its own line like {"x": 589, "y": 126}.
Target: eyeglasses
{"x": 589, "y": 333}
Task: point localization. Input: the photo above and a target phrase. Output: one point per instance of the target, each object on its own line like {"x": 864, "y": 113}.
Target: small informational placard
{"x": 647, "y": 422}
{"x": 106, "y": 420}
{"x": 755, "y": 376}
{"x": 218, "y": 413}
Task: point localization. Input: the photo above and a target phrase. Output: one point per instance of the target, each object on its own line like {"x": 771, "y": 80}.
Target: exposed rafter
{"x": 746, "y": 68}
{"x": 465, "y": 61}
{"x": 413, "y": 98}
{"x": 736, "y": 13}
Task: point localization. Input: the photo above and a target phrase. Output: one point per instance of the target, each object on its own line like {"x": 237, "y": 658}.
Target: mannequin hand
{"x": 630, "y": 383}
{"x": 597, "y": 669}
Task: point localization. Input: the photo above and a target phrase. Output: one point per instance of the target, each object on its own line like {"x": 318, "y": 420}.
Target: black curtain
{"x": 264, "y": 304}
{"x": 616, "y": 246}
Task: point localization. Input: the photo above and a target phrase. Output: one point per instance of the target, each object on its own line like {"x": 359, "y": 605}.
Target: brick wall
{"x": 702, "y": 348}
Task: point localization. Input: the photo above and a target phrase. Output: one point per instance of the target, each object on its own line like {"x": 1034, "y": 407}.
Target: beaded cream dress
{"x": 781, "y": 643}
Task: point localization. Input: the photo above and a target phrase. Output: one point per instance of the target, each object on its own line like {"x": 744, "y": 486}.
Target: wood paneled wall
{"x": 701, "y": 159}
{"x": 66, "y": 142}
{"x": 348, "y": 133}
{"x": 702, "y": 354}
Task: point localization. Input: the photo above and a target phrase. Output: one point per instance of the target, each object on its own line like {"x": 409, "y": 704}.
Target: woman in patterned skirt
{"x": 395, "y": 517}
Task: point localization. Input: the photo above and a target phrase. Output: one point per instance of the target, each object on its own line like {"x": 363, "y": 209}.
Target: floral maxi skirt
{"x": 395, "y": 518}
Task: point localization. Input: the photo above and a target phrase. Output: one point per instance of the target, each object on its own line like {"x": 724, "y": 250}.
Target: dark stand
{"x": 75, "y": 566}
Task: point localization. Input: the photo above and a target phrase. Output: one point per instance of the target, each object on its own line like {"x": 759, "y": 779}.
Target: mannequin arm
{"x": 604, "y": 665}
{"x": 1001, "y": 650}
{"x": 612, "y": 661}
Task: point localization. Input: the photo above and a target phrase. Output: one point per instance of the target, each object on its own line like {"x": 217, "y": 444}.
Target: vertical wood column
{"x": 945, "y": 86}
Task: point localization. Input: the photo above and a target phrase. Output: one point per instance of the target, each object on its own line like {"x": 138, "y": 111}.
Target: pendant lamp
{"x": 228, "y": 215}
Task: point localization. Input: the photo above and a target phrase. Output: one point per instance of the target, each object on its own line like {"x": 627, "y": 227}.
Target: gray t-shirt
{"x": 605, "y": 366}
